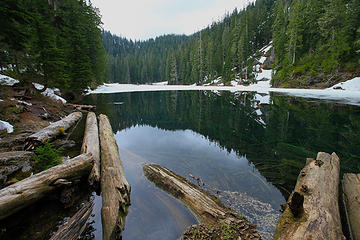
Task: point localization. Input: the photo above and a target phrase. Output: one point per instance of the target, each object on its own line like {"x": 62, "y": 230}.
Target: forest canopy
{"x": 55, "y": 42}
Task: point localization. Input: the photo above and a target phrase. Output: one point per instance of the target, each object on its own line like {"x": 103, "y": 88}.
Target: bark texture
{"x": 76, "y": 225}
{"x": 351, "y": 191}
{"x": 318, "y": 182}
{"x": 114, "y": 187}
{"x": 25, "y": 192}
{"x": 52, "y": 131}
{"x": 12, "y": 162}
{"x": 91, "y": 145}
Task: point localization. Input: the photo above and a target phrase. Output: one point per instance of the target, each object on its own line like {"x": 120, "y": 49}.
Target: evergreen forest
{"x": 313, "y": 41}
{"x": 57, "y": 43}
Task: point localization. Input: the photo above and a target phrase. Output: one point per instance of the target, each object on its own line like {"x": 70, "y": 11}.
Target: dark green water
{"x": 251, "y": 152}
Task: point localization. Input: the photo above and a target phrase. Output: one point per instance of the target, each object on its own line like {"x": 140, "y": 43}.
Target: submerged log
{"x": 91, "y": 145}
{"x": 76, "y": 225}
{"x": 52, "y": 131}
{"x": 207, "y": 208}
{"x": 25, "y": 192}
{"x": 351, "y": 197}
{"x": 319, "y": 217}
{"x": 114, "y": 187}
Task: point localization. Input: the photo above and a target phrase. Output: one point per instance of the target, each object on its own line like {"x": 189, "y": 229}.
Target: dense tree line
{"x": 311, "y": 38}
{"x": 56, "y": 42}
{"x": 221, "y": 49}
{"x": 316, "y": 37}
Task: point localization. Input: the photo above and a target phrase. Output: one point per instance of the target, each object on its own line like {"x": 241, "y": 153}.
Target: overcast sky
{"x": 144, "y": 19}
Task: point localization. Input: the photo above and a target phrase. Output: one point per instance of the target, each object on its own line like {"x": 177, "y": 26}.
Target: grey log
{"x": 114, "y": 187}
{"x": 91, "y": 145}
{"x": 76, "y": 225}
{"x": 25, "y": 192}
{"x": 52, "y": 131}
{"x": 11, "y": 162}
{"x": 351, "y": 197}
{"x": 319, "y": 183}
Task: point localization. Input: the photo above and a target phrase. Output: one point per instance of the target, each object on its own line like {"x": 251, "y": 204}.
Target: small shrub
{"x": 46, "y": 157}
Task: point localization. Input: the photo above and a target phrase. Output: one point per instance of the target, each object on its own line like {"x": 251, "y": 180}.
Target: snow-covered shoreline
{"x": 351, "y": 97}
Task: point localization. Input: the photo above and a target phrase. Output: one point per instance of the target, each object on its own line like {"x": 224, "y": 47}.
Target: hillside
{"x": 305, "y": 52}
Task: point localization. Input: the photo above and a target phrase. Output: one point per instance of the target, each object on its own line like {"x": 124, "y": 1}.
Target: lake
{"x": 247, "y": 147}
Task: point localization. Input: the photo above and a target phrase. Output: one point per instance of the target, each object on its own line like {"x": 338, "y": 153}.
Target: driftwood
{"x": 25, "y": 192}
{"x": 316, "y": 214}
{"x": 351, "y": 197}
{"x": 114, "y": 187}
{"x": 52, "y": 131}
{"x": 11, "y": 162}
{"x": 80, "y": 107}
{"x": 207, "y": 208}
{"x": 76, "y": 225}
{"x": 91, "y": 145}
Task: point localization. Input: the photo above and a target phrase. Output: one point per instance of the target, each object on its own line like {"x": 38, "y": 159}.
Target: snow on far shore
{"x": 160, "y": 83}
{"x": 353, "y": 85}
{"x": 6, "y": 126}
{"x": 50, "y": 93}
{"x": 5, "y": 80}
{"x": 349, "y": 96}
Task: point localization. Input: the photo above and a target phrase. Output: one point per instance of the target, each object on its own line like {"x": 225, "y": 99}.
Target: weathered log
{"x": 52, "y": 131}
{"x": 76, "y": 225}
{"x": 11, "y": 162}
{"x": 91, "y": 145}
{"x": 318, "y": 182}
{"x": 114, "y": 187}
{"x": 207, "y": 208}
{"x": 80, "y": 107}
{"x": 25, "y": 192}
{"x": 351, "y": 197}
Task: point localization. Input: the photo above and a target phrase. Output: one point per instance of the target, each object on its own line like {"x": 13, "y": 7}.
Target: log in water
{"x": 351, "y": 197}
{"x": 312, "y": 211}
{"x": 76, "y": 225}
{"x": 114, "y": 187}
{"x": 23, "y": 193}
{"x": 91, "y": 145}
{"x": 208, "y": 209}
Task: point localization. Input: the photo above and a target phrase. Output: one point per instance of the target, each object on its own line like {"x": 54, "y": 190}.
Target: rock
{"x": 11, "y": 162}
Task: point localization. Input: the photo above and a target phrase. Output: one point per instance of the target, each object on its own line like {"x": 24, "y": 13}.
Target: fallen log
{"x": 25, "y": 192}
{"x": 91, "y": 145}
{"x": 351, "y": 197}
{"x": 312, "y": 211}
{"x": 52, "y": 131}
{"x": 114, "y": 187}
{"x": 80, "y": 107}
{"x": 207, "y": 208}
{"x": 76, "y": 225}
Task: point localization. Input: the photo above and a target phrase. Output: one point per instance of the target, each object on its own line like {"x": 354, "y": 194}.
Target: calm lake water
{"x": 249, "y": 148}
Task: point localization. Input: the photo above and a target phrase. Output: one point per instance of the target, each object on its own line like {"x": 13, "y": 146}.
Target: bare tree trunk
{"x": 55, "y": 129}
{"x": 115, "y": 189}
{"x": 351, "y": 189}
{"x": 91, "y": 145}
{"x": 206, "y": 207}
{"x": 314, "y": 214}
{"x": 25, "y": 192}
{"x": 73, "y": 228}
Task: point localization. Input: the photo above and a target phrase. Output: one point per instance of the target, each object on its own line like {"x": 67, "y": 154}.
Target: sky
{"x": 144, "y": 19}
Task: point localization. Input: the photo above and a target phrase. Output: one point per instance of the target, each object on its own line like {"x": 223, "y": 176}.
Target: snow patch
{"x": 6, "y": 126}
{"x": 262, "y": 99}
{"x": 352, "y": 85}
{"x": 38, "y": 86}
{"x": 22, "y": 102}
{"x": 160, "y": 83}
{"x": 264, "y": 74}
{"x": 267, "y": 49}
{"x": 234, "y": 83}
{"x": 5, "y": 80}
{"x": 50, "y": 93}
{"x": 262, "y": 60}
{"x": 1, "y": 100}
